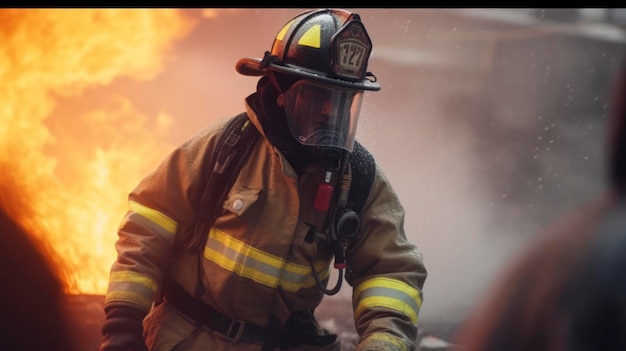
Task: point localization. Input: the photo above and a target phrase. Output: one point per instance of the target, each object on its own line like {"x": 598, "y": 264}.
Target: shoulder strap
{"x": 232, "y": 150}
{"x": 363, "y": 169}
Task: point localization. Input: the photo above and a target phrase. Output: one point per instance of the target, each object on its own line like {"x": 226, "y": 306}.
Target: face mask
{"x": 322, "y": 115}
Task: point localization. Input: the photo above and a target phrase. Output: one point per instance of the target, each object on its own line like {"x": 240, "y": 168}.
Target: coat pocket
{"x": 240, "y": 199}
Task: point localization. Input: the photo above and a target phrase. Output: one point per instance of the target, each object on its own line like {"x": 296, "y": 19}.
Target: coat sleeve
{"x": 388, "y": 274}
{"x": 158, "y": 208}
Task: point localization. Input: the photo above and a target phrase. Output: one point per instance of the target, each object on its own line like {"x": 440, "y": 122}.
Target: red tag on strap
{"x": 323, "y": 196}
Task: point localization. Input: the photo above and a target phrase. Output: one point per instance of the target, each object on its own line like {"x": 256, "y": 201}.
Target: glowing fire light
{"x": 75, "y": 173}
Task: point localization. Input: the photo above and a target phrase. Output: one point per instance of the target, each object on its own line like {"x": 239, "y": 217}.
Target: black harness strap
{"x": 363, "y": 169}
{"x": 225, "y": 164}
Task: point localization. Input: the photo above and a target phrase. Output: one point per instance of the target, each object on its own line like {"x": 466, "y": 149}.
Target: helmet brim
{"x": 249, "y": 66}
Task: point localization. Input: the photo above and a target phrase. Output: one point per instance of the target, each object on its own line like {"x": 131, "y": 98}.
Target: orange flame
{"x": 75, "y": 172}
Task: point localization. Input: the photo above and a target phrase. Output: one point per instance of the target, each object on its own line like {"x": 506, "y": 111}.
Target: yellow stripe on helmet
{"x": 312, "y": 37}
{"x": 283, "y": 31}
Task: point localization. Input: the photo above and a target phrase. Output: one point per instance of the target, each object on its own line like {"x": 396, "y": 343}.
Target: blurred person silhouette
{"x": 32, "y": 312}
{"x": 566, "y": 291}
{"x": 251, "y": 277}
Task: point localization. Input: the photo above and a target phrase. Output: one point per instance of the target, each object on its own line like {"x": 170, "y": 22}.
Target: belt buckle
{"x": 235, "y": 330}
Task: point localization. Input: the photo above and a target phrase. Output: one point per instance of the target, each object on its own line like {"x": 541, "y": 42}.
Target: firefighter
{"x": 566, "y": 291}
{"x": 266, "y": 262}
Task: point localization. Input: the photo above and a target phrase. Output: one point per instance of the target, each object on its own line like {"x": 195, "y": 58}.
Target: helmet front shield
{"x": 322, "y": 114}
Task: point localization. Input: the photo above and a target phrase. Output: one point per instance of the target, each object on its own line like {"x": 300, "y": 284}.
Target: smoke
{"x": 487, "y": 134}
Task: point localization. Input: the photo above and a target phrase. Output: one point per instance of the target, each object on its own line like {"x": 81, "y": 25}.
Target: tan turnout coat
{"x": 256, "y": 259}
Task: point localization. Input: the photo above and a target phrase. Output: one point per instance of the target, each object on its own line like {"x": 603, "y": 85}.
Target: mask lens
{"x": 322, "y": 115}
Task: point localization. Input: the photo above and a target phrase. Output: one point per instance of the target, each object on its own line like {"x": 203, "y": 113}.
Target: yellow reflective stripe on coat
{"x": 151, "y": 219}
{"x": 389, "y": 293}
{"x": 262, "y": 267}
{"x": 131, "y": 287}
